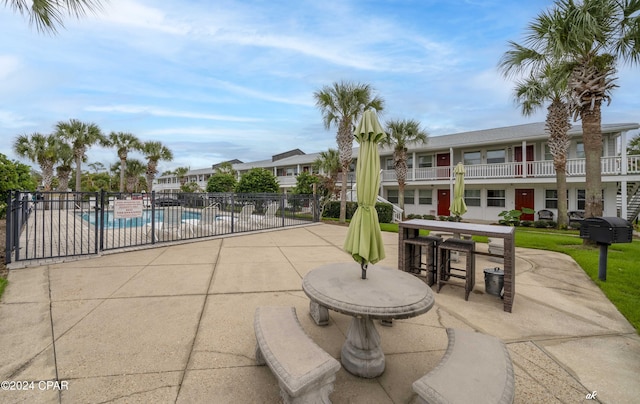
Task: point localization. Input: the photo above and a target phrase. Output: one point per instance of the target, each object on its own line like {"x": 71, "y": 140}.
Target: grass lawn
{"x": 622, "y": 286}
{"x": 3, "y": 284}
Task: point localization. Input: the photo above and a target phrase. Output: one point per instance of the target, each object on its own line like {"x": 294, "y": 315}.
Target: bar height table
{"x": 410, "y": 229}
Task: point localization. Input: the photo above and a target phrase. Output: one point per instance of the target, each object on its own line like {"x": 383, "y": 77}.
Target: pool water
{"x": 112, "y": 223}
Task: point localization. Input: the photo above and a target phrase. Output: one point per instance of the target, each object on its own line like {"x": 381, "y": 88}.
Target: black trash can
{"x": 494, "y": 281}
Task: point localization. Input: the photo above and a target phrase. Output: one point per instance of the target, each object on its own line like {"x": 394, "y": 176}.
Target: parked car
{"x": 167, "y": 201}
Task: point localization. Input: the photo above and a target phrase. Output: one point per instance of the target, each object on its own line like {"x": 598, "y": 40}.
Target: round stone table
{"x": 386, "y": 294}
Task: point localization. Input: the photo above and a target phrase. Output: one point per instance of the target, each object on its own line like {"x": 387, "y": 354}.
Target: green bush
{"x": 541, "y": 224}
{"x": 332, "y": 210}
{"x": 428, "y": 217}
{"x": 526, "y": 223}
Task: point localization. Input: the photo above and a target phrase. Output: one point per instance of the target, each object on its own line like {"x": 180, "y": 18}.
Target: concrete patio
{"x": 175, "y": 324}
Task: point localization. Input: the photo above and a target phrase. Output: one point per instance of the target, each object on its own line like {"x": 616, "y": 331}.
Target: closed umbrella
{"x": 364, "y": 239}
{"x": 458, "y": 207}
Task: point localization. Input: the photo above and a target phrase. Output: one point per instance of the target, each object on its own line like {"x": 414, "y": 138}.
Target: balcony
{"x": 539, "y": 169}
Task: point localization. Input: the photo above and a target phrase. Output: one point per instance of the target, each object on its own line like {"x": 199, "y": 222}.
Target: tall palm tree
{"x": 589, "y": 38}
{"x": 81, "y": 136}
{"x": 549, "y": 85}
{"x": 154, "y": 152}
{"x": 328, "y": 162}
{"x": 47, "y": 15}
{"x": 41, "y": 149}
{"x": 63, "y": 170}
{"x": 181, "y": 173}
{"x": 123, "y": 142}
{"x": 399, "y": 134}
{"x": 135, "y": 168}
{"x": 342, "y": 104}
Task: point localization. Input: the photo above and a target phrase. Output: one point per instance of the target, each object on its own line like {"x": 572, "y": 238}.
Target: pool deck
{"x": 174, "y": 324}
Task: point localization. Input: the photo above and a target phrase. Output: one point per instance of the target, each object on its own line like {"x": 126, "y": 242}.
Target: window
{"x": 392, "y": 196}
{"x": 496, "y": 197}
{"x": 472, "y": 158}
{"x": 425, "y": 197}
{"x": 425, "y": 161}
{"x": 582, "y": 199}
{"x": 579, "y": 150}
{"x": 389, "y": 164}
{"x": 551, "y": 199}
{"x": 410, "y": 162}
{"x": 286, "y": 172}
{"x": 409, "y": 197}
{"x": 547, "y": 152}
{"x": 472, "y": 197}
{"x": 496, "y": 156}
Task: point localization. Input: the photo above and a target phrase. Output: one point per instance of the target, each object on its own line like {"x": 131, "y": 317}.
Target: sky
{"x": 221, "y": 80}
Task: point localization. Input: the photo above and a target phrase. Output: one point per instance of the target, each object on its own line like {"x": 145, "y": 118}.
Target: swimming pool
{"x": 113, "y": 223}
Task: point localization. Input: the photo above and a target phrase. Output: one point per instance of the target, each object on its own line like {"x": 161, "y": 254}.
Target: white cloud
{"x": 155, "y": 111}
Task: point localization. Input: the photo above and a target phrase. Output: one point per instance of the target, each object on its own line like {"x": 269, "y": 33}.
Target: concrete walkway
{"x": 175, "y": 324}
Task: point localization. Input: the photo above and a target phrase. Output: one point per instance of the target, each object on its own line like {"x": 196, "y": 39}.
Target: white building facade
{"x": 505, "y": 168}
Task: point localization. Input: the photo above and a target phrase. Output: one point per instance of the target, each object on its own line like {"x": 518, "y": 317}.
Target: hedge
{"x": 332, "y": 210}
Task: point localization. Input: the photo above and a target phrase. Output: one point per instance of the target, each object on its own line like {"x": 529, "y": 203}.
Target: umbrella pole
{"x": 363, "y": 266}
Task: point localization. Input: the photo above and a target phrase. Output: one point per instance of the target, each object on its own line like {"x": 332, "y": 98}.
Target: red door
{"x": 525, "y": 199}
{"x": 443, "y": 160}
{"x": 518, "y": 157}
{"x": 444, "y": 202}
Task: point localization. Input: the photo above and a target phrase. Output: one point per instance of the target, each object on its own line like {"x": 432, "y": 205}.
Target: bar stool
{"x": 419, "y": 247}
{"x": 446, "y": 271}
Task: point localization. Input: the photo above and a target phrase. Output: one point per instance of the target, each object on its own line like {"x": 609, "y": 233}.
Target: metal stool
{"x": 427, "y": 247}
{"x": 445, "y": 269}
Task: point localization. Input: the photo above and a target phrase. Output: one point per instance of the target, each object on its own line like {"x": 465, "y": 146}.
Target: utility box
{"x": 607, "y": 230}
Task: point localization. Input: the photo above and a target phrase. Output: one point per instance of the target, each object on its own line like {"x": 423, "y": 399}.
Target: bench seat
{"x": 476, "y": 368}
{"x": 305, "y": 372}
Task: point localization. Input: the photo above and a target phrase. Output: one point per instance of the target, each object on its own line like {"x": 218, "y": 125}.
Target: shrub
{"x": 443, "y": 218}
{"x": 257, "y": 180}
{"x": 541, "y": 224}
{"x": 526, "y": 223}
{"x": 332, "y": 210}
{"x": 429, "y": 217}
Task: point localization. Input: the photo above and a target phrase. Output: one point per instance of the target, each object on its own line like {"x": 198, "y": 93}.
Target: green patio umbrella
{"x": 364, "y": 239}
{"x": 458, "y": 207}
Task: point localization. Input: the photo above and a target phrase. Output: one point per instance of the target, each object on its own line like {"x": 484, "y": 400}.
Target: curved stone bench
{"x": 476, "y": 368}
{"x": 305, "y": 372}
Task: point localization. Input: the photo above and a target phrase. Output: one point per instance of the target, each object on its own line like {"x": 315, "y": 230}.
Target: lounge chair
{"x": 270, "y": 219}
{"x": 208, "y": 220}
{"x": 245, "y": 220}
{"x": 171, "y": 223}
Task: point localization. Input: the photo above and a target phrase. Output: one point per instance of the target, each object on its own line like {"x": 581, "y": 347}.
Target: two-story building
{"x": 505, "y": 168}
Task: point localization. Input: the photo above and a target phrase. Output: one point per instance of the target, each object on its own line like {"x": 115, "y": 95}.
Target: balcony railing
{"x": 544, "y": 168}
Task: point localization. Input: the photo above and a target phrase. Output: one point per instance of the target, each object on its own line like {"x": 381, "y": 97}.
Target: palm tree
{"x": 135, "y": 168}
{"x": 328, "y": 162}
{"x": 154, "y": 152}
{"x": 549, "y": 84}
{"x": 399, "y": 134}
{"x": 41, "y": 149}
{"x": 124, "y": 143}
{"x": 82, "y": 136}
{"x": 181, "y": 173}
{"x": 63, "y": 170}
{"x": 47, "y": 15}
{"x": 588, "y": 38}
{"x": 342, "y": 104}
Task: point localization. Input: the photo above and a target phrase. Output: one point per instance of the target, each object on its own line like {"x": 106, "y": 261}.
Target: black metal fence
{"x": 62, "y": 224}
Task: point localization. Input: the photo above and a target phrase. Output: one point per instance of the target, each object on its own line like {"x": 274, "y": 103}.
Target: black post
{"x": 102, "y": 201}
{"x": 602, "y": 263}
{"x": 7, "y": 242}
{"x": 153, "y": 217}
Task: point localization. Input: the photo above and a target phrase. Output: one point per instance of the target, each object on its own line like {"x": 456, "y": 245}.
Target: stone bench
{"x": 476, "y": 368}
{"x": 305, "y": 372}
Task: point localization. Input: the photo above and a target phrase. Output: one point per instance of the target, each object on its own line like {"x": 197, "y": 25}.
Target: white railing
{"x": 543, "y": 168}
{"x": 633, "y": 164}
